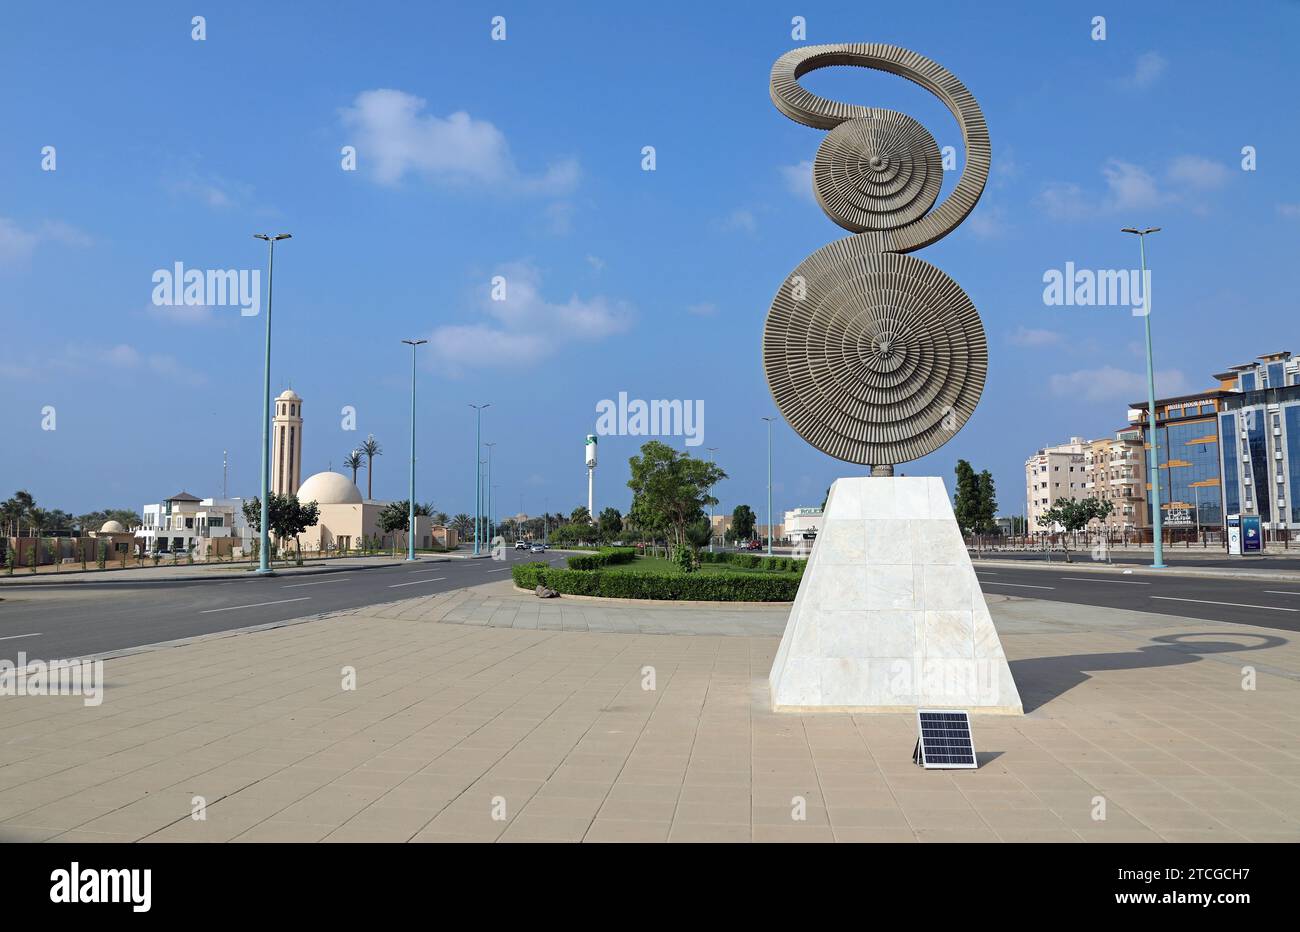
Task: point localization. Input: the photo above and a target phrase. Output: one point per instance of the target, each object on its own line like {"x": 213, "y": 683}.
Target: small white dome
{"x": 288, "y": 395}
{"x": 329, "y": 488}
{"x": 112, "y": 527}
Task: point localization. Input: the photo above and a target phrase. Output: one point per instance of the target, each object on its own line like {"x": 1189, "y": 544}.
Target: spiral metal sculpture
{"x": 872, "y": 356}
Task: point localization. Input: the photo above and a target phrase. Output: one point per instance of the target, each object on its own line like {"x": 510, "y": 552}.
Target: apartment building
{"x": 1053, "y": 473}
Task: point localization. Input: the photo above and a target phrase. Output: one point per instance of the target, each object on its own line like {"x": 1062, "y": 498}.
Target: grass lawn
{"x": 661, "y": 565}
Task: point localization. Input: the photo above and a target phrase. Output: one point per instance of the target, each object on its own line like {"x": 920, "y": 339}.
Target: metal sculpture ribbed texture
{"x": 875, "y": 357}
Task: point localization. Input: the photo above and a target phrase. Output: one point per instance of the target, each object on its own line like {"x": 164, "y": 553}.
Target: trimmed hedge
{"x": 608, "y": 556}
{"x": 687, "y": 587}
{"x": 753, "y": 561}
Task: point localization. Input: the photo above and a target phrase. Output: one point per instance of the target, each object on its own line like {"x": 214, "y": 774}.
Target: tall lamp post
{"x": 410, "y": 517}
{"x": 263, "y": 565}
{"x": 769, "y": 483}
{"x": 488, "y": 487}
{"x": 712, "y": 450}
{"x": 478, "y": 472}
{"x": 1157, "y": 519}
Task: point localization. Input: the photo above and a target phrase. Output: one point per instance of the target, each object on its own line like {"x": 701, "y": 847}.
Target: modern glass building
{"x": 1187, "y": 444}
{"x": 1260, "y": 452}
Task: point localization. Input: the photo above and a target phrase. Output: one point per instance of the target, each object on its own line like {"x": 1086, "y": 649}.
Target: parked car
{"x": 538, "y": 548}
{"x": 521, "y": 545}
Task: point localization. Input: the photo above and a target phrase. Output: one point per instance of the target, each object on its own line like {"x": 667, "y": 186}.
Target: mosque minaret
{"x": 286, "y": 443}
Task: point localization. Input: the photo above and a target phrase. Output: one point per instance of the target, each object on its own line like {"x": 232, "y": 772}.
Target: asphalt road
{"x": 1174, "y": 556}
{"x": 1245, "y": 601}
{"x": 78, "y": 619}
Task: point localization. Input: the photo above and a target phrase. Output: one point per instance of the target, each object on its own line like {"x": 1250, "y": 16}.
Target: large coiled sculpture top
{"x": 874, "y": 357}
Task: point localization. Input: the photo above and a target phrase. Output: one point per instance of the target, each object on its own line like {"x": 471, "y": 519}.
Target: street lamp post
{"x": 1157, "y": 520}
{"x": 769, "y": 483}
{"x": 263, "y": 566}
{"x": 712, "y": 450}
{"x": 478, "y": 473}
{"x": 410, "y": 517}
{"x": 488, "y": 487}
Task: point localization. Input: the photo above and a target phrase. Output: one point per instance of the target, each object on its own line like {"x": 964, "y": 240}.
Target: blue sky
{"x": 523, "y": 158}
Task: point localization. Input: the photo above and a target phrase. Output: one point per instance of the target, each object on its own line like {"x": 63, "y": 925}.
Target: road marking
{"x": 1271, "y": 608}
{"x": 14, "y": 637}
{"x": 1120, "y": 582}
{"x": 502, "y": 570}
{"x": 415, "y": 572}
{"x": 989, "y": 572}
{"x": 209, "y": 611}
{"x": 414, "y": 581}
{"x": 321, "y": 583}
{"x": 1281, "y": 592}
{"x": 993, "y": 582}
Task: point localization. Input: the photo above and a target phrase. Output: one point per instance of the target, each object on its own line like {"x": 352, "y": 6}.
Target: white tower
{"x": 286, "y": 443}
{"x": 591, "y": 473}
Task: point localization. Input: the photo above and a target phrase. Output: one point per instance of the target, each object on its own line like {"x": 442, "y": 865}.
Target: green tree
{"x": 580, "y": 515}
{"x": 698, "y": 536}
{"x": 464, "y": 525}
{"x": 353, "y": 461}
{"x": 611, "y": 523}
{"x": 394, "y": 516}
{"x": 743, "y": 520}
{"x": 988, "y": 503}
{"x": 670, "y": 490}
{"x": 286, "y": 516}
{"x": 1074, "y": 514}
{"x": 966, "y": 502}
{"x": 371, "y": 449}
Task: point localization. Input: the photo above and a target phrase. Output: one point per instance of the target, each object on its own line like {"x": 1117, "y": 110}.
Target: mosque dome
{"x": 112, "y": 527}
{"x": 288, "y": 395}
{"x": 329, "y": 488}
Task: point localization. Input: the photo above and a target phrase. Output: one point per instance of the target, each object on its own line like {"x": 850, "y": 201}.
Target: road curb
{"x": 1121, "y": 569}
{"x": 213, "y": 577}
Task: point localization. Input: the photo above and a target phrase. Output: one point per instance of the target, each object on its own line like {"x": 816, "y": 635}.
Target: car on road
{"x": 521, "y": 545}
{"x": 538, "y": 548}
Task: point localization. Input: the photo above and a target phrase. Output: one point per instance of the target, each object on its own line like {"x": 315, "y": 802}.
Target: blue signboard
{"x": 1251, "y": 537}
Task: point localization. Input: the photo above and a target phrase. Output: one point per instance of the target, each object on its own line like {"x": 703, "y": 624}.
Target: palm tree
{"x": 353, "y": 461}
{"x": 463, "y": 524}
{"x": 371, "y": 449}
{"x": 440, "y": 517}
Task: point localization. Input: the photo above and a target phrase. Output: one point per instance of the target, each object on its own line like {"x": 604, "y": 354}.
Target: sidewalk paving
{"x": 484, "y": 702}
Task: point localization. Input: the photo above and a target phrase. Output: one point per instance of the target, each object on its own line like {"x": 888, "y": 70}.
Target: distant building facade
{"x": 1259, "y": 423}
{"x": 1054, "y": 473}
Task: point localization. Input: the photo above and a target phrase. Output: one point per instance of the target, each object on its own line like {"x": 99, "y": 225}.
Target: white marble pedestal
{"x": 890, "y": 616}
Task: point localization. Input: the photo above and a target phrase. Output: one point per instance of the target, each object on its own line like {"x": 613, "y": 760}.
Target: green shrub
{"x": 716, "y": 587}
{"x": 607, "y": 556}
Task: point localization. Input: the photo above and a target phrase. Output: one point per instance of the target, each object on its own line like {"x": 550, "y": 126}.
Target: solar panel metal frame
{"x": 919, "y": 756}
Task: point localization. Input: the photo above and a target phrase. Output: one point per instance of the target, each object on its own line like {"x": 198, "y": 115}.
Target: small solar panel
{"x": 945, "y": 740}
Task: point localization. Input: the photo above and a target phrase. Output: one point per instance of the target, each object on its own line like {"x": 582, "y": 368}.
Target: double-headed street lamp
{"x": 769, "y": 483}
{"x": 1157, "y": 520}
{"x": 478, "y": 472}
{"x": 410, "y": 517}
{"x": 263, "y": 565}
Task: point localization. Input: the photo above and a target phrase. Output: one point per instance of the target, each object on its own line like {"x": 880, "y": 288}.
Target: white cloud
{"x": 987, "y": 222}
{"x": 739, "y": 221}
{"x": 798, "y": 179}
{"x": 394, "y": 137}
{"x": 1029, "y": 336}
{"x": 525, "y": 327}
{"x": 703, "y": 309}
{"x": 211, "y": 191}
{"x": 1110, "y": 384}
{"x": 181, "y": 313}
{"x": 596, "y": 262}
{"x": 1198, "y": 172}
{"x": 120, "y": 358}
{"x": 1131, "y": 187}
{"x": 1148, "y": 69}
{"x": 18, "y": 244}
{"x": 1290, "y": 211}
{"x": 559, "y": 218}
